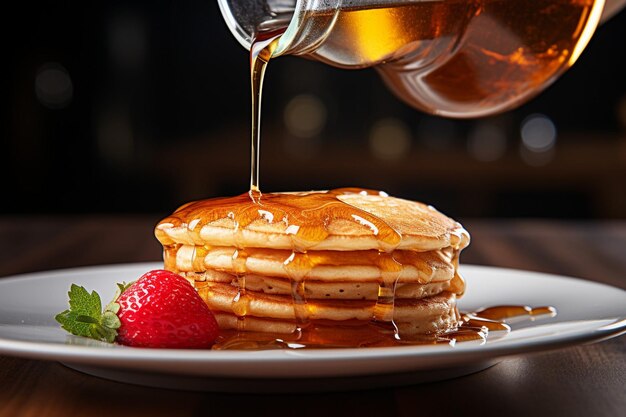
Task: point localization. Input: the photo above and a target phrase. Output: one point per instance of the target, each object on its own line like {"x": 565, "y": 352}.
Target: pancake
{"x": 422, "y": 267}
{"x": 220, "y": 298}
{"x": 437, "y": 316}
{"x": 336, "y": 290}
{"x": 281, "y": 263}
{"x": 342, "y": 219}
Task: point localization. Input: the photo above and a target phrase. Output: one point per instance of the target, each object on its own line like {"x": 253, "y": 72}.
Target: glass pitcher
{"x": 452, "y": 58}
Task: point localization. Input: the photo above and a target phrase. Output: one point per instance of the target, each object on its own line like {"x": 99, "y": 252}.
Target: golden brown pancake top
{"x": 342, "y": 219}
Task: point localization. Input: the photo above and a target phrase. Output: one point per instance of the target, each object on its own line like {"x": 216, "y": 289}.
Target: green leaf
{"x": 124, "y": 286}
{"x": 87, "y": 319}
{"x": 68, "y": 321}
{"x": 85, "y": 316}
{"x": 84, "y": 302}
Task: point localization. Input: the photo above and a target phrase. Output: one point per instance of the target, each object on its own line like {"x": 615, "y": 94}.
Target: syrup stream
{"x": 260, "y": 53}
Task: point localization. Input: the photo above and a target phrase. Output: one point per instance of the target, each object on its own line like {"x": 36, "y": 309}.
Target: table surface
{"x": 584, "y": 380}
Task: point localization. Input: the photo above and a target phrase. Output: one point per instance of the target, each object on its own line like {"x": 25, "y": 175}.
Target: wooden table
{"x": 587, "y": 380}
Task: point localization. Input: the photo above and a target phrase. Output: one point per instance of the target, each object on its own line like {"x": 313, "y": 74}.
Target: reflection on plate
{"x": 587, "y": 312}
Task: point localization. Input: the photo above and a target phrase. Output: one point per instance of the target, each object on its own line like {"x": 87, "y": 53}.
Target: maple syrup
{"x": 462, "y": 58}
{"x": 307, "y": 216}
{"x": 455, "y": 58}
{"x": 325, "y": 335}
{"x": 260, "y": 53}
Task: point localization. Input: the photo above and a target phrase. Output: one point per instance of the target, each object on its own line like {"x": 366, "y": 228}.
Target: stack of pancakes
{"x": 275, "y": 263}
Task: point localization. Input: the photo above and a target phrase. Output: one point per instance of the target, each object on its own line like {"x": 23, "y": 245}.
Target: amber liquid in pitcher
{"x": 461, "y": 58}
{"x": 457, "y": 58}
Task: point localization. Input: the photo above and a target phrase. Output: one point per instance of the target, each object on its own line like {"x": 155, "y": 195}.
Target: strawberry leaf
{"x": 85, "y": 316}
{"x": 82, "y": 301}
{"x": 87, "y": 319}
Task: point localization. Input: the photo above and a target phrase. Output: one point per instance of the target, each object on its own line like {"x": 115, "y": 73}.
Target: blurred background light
{"x": 538, "y": 133}
{"x": 305, "y": 116}
{"x": 390, "y": 139}
{"x": 487, "y": 141}
{"x": 53, "y": 86}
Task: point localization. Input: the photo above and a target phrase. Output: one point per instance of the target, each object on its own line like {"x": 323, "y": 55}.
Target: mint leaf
{"x": 85, "y": 317}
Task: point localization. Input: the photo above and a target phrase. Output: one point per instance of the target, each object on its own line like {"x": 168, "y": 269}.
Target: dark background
{"x": 138, "y": 107}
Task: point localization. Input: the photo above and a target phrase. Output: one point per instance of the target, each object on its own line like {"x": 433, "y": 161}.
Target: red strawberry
{"x": 159, "y": 310}
{"x": 162, "y": 309}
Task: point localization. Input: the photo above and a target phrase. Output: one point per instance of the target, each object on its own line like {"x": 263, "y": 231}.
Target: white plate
{"x": 586, "y": 312}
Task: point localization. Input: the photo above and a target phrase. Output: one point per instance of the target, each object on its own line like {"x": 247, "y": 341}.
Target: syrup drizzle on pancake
{"x": 305, "y": 217}
{"x": 324, "y": 335}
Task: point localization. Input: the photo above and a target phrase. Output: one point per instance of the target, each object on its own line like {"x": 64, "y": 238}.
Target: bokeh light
{"x": 390, "y": 138}
{"x": 305, "y": 116}
{"x": 538, "y": 133}
{"x": 487, "y": 141}
{"x": 53, "y": 86}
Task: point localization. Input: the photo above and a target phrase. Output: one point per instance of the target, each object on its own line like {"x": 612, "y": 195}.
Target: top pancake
{"x": 344, "y": 219}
